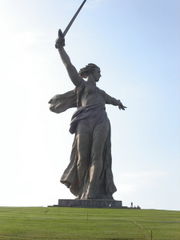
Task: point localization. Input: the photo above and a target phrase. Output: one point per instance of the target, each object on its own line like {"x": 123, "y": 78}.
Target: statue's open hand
{"x": 60, "y": 42}
{"x": 121, "y": 106}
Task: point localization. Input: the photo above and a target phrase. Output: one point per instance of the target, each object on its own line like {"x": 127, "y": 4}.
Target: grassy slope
{"x": 84, "y": 224}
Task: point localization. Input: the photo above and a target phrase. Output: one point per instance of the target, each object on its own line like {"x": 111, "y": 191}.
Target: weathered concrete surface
{"x": 90, "y": 203}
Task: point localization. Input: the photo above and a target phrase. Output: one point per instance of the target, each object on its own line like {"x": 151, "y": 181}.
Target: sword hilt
{"x": 60, "y": 41}
{"x": 60, "y": 34}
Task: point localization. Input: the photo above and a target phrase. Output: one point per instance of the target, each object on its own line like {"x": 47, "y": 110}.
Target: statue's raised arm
{"x": 73, "y": 74}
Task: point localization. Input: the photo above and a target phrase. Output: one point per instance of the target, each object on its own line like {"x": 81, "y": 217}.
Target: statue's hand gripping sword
{"x": 60, "y": 34}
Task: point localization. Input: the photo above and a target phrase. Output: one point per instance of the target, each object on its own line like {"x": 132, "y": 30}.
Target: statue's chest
{"x": 90, "y": 89}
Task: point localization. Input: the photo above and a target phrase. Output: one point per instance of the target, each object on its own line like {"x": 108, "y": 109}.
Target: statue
{"x": 89, "y": 174}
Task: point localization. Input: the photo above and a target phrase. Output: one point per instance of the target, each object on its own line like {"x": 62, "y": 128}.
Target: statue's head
{"x": 90, "y": 69}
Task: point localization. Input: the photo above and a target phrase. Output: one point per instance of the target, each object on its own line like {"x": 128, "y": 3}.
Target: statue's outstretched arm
{"x": 73, "y": 74}
{"x": 113, "y": 101}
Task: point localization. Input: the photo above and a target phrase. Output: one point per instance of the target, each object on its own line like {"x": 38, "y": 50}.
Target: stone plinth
{"x": 90, "y": 203}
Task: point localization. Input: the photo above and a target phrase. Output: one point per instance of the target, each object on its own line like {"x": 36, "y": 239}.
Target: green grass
{"x": 88, "y": 224}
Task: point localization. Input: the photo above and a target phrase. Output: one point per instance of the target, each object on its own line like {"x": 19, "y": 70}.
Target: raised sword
{"x": 74, "y": 17}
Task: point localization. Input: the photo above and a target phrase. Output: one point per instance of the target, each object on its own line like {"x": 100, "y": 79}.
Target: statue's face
{"x": 97, "y": 74}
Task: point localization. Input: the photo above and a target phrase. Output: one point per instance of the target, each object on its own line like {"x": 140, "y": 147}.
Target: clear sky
{"x": 136, "y": 45}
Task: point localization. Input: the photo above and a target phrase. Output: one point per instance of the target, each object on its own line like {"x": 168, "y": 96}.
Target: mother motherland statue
{"x": 89, "y": 174}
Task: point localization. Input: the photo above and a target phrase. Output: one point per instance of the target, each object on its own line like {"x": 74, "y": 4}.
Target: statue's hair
{"x": 88, "y": 69}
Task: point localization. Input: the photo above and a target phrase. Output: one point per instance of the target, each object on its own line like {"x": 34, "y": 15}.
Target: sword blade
{"x": 72, "y": 20}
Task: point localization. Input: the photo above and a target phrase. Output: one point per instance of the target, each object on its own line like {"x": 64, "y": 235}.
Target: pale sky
{"x": 136, "y": 45}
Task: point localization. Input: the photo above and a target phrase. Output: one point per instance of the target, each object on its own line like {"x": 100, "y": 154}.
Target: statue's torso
{"x": 91, "y": 95}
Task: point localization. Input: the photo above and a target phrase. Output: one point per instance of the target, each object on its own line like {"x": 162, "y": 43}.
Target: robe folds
{"x": 88, "y": 174}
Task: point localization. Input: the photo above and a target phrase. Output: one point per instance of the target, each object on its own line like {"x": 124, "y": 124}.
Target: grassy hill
{"x": 40, "y": 223}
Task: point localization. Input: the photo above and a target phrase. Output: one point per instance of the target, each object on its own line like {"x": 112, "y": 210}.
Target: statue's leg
{"x": 83, "y": 153}
{"x": 100, "y": 135}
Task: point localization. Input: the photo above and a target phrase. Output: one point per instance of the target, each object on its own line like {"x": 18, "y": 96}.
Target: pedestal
{"x": 90, "y": 203}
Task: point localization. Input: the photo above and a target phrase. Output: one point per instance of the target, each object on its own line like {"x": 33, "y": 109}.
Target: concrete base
{"x": 90, "y": 203}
